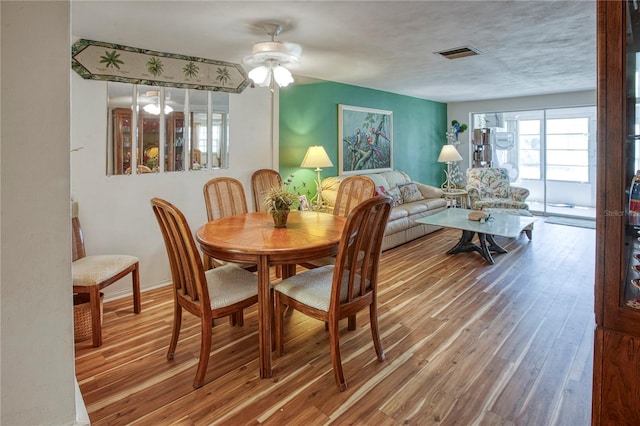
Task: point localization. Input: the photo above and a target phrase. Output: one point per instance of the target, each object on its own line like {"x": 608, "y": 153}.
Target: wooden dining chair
{"x": 93, "y": 273}
{"x": 352, "y": 191}
{"x": 216, "y": 293}
{"x": 261, "y": 182}
{"x": 224, "y": 196}
{"x": 334, "y": 292}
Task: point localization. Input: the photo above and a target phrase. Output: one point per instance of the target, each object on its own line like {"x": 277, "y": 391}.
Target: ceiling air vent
{"x": 459, "y": 52}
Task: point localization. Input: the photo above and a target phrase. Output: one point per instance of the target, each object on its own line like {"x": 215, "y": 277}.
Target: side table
{"x": 456, "y": 198}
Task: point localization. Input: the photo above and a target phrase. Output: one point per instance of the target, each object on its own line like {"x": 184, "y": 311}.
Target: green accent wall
{"x": 309, "y": 116}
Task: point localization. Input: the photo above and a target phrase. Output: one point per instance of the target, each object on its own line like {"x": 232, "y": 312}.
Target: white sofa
{"x": 402, "y": 226}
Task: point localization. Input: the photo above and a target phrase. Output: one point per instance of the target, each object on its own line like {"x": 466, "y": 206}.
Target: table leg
{"x": 265, "y": 313}
{"x": 484, "y": 250}
{"x": 495, "y": 247}
{"x": 288, "y": 271}
{"x": 466, "y": 245}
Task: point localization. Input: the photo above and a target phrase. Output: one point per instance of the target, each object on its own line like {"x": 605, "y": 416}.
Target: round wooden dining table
{"x": 252, "y": 238}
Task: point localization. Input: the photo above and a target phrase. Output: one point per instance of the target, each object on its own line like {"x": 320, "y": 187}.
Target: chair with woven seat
{"x": 224, "y": 196}
{"x": 216, "y": 293}
{"x": 93, "y": 273}
{"x": 334, "y": 292}
{"x": 352, "y": 191}
{"x": 261, "y": 182}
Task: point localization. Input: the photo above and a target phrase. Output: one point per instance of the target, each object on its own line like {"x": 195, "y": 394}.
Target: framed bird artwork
{"x": 365, "y": 140}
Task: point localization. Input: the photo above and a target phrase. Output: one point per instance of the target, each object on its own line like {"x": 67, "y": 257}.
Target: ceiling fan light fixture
{"x": 154, "y": 109}
{"x": 267, "y": 59}
{"x": 260, "y": 75}
{"x": 282, "y": 76}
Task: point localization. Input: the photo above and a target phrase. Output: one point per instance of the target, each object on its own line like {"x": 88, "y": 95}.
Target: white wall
{"x": 115, "y": 212}
{"x": 37, "y": 374}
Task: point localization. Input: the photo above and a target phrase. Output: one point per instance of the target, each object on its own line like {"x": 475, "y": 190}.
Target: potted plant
{"x": 458, "y": 128}
{"x": 278, "y": 202}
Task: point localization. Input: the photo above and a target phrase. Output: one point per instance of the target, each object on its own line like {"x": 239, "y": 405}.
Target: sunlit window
{"x": 568, "y": 149}
{"x": 530, "y": 156}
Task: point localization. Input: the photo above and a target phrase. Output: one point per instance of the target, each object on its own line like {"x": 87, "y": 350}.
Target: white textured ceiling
{"x": 528, "y": 47}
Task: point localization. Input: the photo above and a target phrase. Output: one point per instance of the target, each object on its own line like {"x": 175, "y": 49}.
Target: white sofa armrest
{"x": 429, "y": 191}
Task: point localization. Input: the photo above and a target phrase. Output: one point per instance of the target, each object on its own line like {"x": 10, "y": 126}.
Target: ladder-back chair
{"x": 216, "y": 293}
{"x": 224, "y": 196}
{"x": 261, "y": 182}
{"x": 352, "y": 191}
{"x": 334, "y": 292}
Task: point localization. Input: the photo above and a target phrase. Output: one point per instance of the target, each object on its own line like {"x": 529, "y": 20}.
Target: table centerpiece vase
{"x": 278, "y": 202}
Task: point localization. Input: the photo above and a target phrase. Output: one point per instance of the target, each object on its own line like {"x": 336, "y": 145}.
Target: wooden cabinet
{"x": 175, "y": 142}
{"x": 122, "y": 140}
{"x": 148, "y": 144}
{"x": 616, "y": 370}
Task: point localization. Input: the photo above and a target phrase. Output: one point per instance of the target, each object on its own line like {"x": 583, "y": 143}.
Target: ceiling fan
{"x": 265, "y": 63}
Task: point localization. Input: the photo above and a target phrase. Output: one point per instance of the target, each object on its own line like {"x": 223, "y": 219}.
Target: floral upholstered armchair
{"x": 489, "y": 187}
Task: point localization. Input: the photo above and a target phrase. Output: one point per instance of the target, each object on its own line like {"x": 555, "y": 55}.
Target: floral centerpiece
{"x": 278, "y": 202}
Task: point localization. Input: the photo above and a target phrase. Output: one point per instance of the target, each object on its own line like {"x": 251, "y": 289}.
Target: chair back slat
{"x": 77, "y": 240}
{"x": 187, "y": 272}
{"x": 224, "y": 196}
{"x": 352, "y": 191}
{"x": 359, "y": 253}
{"x": 261, "y": 182}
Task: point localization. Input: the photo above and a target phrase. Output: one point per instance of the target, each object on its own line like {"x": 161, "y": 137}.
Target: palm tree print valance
{"x": 113, "y": 62}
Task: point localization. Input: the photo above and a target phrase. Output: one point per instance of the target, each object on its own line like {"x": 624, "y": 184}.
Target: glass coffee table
{"x": 503, "y": 225}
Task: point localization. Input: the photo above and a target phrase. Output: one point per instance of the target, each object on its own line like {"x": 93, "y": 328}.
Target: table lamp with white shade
{"x": 448, "y": 155}
{"x": 317, "y": 157}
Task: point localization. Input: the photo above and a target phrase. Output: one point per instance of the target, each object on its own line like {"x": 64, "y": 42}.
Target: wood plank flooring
{"x": 466, "y": 343}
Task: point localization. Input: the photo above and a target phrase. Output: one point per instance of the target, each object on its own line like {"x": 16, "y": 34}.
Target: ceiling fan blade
{"x": 293, "y": 48}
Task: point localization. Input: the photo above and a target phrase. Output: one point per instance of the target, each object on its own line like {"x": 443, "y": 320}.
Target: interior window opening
{"x": 166, "y": 129}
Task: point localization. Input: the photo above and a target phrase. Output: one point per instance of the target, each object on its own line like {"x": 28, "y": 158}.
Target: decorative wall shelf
{"x": 98, "y": 60}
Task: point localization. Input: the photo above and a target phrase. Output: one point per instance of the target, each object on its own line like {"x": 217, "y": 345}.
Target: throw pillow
{"x": 410, "y": 193}
{"x": 395, "y": 194}
{"x": 380, "y": 191}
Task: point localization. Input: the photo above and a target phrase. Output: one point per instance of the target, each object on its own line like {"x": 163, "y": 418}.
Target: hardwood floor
{"x": 465, "y": 342}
